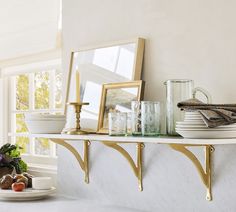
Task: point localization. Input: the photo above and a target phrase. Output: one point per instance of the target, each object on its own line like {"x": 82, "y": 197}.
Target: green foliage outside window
{"x": 22, "y": 92}
{"x": 41, "y": 80}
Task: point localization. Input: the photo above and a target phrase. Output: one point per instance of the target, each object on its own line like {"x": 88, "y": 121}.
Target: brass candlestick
{"x": 77, "y": 130}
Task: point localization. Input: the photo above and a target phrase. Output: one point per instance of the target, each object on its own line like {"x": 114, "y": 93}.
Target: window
{"x": 34, "y": 92}
{"x": 30, "y": 74}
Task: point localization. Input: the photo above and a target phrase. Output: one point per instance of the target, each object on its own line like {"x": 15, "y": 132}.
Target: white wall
{"x": 185, "y": 39}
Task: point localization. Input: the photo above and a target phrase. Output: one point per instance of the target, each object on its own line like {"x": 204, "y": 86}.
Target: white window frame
{"x": 49, "y": 65}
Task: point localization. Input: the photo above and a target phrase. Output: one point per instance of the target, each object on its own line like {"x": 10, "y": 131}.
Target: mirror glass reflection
{"x": 95, "y": 67}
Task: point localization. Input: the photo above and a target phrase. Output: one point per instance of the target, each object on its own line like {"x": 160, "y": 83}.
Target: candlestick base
{"x": 75, "y": 131}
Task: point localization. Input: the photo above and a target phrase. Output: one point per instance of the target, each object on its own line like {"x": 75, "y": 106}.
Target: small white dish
{"x": 41, "y": 183}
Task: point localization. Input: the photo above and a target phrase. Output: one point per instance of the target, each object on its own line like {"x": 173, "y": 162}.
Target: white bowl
{"x": 39, "y": 116}
{"x": 41, "y": 183}
{"x": 45, "y": 126}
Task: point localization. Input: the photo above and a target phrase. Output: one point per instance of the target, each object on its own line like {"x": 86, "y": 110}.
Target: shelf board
{"x": 134, "y": 139}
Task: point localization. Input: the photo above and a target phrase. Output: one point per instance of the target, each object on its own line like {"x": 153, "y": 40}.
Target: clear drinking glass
{"x": 136, "y": 118}
{"x": 117, "y": 123}
{"x": 176, "y": 91}
{"x": 150, "y": 114}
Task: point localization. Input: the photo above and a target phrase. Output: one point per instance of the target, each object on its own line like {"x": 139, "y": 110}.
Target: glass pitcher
{"x": 176, "y": 91}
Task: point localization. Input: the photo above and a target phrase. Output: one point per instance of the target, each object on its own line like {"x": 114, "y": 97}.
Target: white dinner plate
{"x": 203, "y": 126}
{"x": 25, "y": 195}
{"x": 190, "y": 125}
{"x": 192, "y": 122}
{"x": 204, "y": 129}
{"x": 188, "y": 122}
{"x": 192, "y": 113}
{"x": 207, "y": 134}
{"x": 201, "y": 123}
{"x": 201, "y": 120}
{"x": 193, "y": 117}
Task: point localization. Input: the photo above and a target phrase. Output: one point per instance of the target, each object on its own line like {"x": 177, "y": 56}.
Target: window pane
{"x": 42, "y": 146}
{"x": 22, "y": 92}
{"x": 23, "y": 142}
{"x": 41, "y": 80}
{"x": 58, "y": 89}
{"x": 20, "y": 124}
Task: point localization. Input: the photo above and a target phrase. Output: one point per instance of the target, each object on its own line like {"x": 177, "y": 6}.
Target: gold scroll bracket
{"x": 137, "y": 169}
{"x": 205, "y": 173}
{"x": 84, "y": 163}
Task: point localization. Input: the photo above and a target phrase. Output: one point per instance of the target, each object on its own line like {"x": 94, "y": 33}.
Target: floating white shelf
{"x": 177, "y": 143}
{"x": 134, "y": 139}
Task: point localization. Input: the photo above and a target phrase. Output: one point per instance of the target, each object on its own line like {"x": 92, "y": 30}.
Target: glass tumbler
{"x": 117, "y": 122}
{"x": 150, "y": 114}
{"x": 136, "y": 118}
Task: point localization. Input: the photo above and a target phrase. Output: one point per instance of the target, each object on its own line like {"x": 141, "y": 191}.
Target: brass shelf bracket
{"x": 205, "y": 173}
{"x": 137, "y": 169}
{"x": 84, "y": 163}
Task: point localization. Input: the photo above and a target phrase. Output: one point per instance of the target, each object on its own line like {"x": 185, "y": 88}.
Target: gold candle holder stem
{"x": 78, "y": 111}
{"x": 77, "y": 130}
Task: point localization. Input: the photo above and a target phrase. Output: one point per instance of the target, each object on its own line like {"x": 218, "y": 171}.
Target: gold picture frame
{"x": 90, "y": 113}
{"x": 126, "y": 91}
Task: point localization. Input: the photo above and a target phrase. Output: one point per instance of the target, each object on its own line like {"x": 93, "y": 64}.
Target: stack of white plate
{"x": 193, "y": 126}
{"x": 45, "y": 123}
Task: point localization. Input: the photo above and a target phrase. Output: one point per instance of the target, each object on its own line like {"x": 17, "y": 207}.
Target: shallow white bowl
{"x": 45, "y": 126}
{"x": 39, "y": 116}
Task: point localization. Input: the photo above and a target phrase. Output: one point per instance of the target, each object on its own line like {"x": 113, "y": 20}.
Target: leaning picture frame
{"x": 117, "y": 97}
{"x": 111, "y": 62}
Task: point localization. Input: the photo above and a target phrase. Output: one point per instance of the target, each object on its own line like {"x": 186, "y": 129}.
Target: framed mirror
{"x": 91, "y": 67}
{"x": 117, "y": 97}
